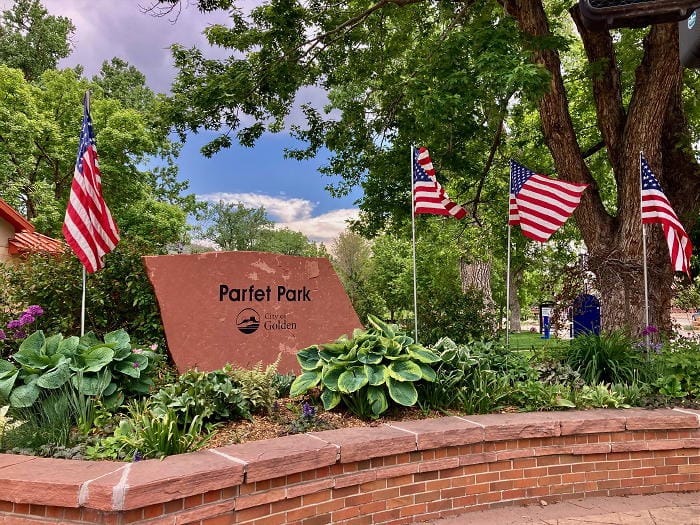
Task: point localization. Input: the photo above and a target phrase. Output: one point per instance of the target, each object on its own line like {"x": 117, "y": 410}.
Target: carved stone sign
{"x": 247, "y": 307}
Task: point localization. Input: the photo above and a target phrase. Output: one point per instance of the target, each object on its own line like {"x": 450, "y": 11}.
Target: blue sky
{"x": 291, "y": 191}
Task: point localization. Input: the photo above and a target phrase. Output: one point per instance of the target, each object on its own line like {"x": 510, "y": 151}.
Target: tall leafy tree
{"x": 31, "y": 40}
{"x": 447, "y": 74}
{"x": 233, "y": 226}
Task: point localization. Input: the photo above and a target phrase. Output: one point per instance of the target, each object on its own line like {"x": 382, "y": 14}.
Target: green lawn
{"x": 533, "y": 341}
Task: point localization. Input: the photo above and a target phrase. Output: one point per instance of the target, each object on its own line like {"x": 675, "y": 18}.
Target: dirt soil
{"x": 293, "y": 416}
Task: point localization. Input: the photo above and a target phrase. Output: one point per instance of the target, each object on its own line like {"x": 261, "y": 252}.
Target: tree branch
{"x": 607, "y": 89}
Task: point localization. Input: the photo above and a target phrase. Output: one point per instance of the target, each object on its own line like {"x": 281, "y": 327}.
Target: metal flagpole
{"x": 413, "y": 229}
{"x": 82, "y": 307}
{"x": 508, "y": 285}
{"x": 644, "y": 256}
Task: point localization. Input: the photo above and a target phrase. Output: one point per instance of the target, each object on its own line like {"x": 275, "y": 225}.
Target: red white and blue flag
{"x": 428, "y": 195}
{"x": 540, "y": 205}
{"x": 88, "y": 226}
{"x": 657, "y": 208}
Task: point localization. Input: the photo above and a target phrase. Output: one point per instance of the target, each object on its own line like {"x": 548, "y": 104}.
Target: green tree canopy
{"x": 476, "y": 82}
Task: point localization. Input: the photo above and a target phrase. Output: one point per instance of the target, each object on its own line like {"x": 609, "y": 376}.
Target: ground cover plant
{"x": 59, "y": 393}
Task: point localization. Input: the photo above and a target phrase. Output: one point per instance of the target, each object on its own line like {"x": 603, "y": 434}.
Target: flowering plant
{"x": 15, "y": 330}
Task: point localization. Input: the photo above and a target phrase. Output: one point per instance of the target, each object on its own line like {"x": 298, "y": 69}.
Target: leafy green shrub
{"x": 283, "y": 383}
{"x": 148, "y": 433}
{"x": 119, "y": 296}
{"x": 476, "y": 377}
{"x": 535, "y": 395}
{"x": 599, "y": 396}
{"x": 605, "y": 358}
{"x": 365, "y": 372}
{"x": 680, "y": 371}
{"x": 456, "y": 315}
{"x": 257, "y": 386}
{"x": 106, "y": 369}
{"x": 209, "y": 396}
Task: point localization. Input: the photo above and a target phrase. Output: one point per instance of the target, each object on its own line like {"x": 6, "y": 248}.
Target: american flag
{"x": 657, "y": 208}
{"x": 428, "y": 195}
{"x": 88, "y": 226}
{"x": 540, "y": 205}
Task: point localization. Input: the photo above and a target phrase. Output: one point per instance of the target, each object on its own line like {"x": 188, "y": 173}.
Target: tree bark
{"x": 652, "y": 123}
{"x": 477, "y": 276}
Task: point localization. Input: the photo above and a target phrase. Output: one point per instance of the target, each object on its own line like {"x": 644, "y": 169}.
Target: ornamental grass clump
{"x": 367, "y": 372}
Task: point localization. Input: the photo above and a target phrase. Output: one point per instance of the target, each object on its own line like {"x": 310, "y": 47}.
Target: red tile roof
{"x": 26, "y": 239}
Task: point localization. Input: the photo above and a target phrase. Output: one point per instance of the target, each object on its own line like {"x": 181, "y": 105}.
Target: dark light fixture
{"x": 612, "y": 14}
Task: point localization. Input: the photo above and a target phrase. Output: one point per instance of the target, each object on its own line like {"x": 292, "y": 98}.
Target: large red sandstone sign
{"x": 247, "y": 307}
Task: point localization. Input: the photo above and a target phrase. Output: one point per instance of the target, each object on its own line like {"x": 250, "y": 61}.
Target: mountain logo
{"x": 248, "y": 321}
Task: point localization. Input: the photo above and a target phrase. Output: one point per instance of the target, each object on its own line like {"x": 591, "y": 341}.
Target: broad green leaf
{"x": 309, "y": 358}
{"x": 330, "y": 377}
{"x": 422, "y": 354}
{"x": 24, "y": 396}
{"x": 369, "y": 357}
{"x": 93, "y": 384}
{"x": 31, "y": 358}
{"x": 96, "y": 358}
{"x": 7, "y": 381}
{"x": 114, "y": 401}
{"x": 336, "y": 348}
{"x": 427, "y": 372}
{"x": 377, "y": 400}
{"x": 6, "y": 366}
{"x": 352, "y": 380}
{"x": 89, "y": 340}
{"x": 304, "y": 382}
{"x": 330, "y": 399}
{"x": 376, "y": 374}
{"x": 122, "y": 353}
{"x": 133, "y": 365}
{"x": 380, "y": 325}
{"x": 52, "y": 343}
{"x": 111, "y": 388}
{"x": 405, "y": 371}
{"x": 68, "y": 346}
{"x": 55, "y": 377}
{"x": 119, "y": 337}
{"x": 403, "y": 392}
{"x": 34, "y": 343}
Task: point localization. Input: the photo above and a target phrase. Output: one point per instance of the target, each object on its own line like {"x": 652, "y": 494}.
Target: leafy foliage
{"x": 258, "y": 387}
{"x": 119, "y": 296}
{"x": 208, "y": 396}
{"x": 107, "y": 369}
{"x": 366, "y": 372}
{"x": 145, "y": 433}
{"x": 609, "y": 357}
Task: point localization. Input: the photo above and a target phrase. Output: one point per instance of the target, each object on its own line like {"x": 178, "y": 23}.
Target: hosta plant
{"x": 366, "y": 372}
{"x": 105, "y": 369}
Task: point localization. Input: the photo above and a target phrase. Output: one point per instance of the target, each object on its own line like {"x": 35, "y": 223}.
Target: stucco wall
{"x": 6, "y": 233}
{"x": 397, "y": 473}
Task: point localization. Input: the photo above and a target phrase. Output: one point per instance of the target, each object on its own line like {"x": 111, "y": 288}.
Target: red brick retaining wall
{"x": 403, "y": 472}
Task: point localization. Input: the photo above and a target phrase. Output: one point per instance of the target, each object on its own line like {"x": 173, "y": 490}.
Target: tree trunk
{"x": 477, "y": 276}
{"x": 516, "y": 279}
{"x": 653, "y": 123}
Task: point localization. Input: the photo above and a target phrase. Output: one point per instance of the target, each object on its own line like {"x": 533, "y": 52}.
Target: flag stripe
{"x": 428, "y": 195}
{"x": 538, "y": 204}
{"x": 656, "y": 208}
{"x": 88, "y": 226}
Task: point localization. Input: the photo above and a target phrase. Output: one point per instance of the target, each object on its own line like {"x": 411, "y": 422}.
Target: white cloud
{"x": 326, "y": 227}
{"x": 293, "y": 213}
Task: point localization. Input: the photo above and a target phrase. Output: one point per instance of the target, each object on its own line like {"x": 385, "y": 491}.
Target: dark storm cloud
{"x": 120, "y": 28}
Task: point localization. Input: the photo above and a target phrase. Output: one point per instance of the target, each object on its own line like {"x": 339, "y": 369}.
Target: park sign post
{"x": 246, "y": 308}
